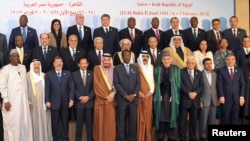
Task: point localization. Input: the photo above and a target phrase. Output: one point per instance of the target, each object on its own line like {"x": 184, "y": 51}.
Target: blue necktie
{"x": 127, "y": 68}
{"x": 195, "y": 35}
{"x": 106, "y": 31}
{"x": 24, "y": 34}
{"x": 80, "y": 32}
{"x": 59, "y": 76}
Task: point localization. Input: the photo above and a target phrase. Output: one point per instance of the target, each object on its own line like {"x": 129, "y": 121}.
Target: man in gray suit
{"x": 127, "y": 85}
{"x": 208, "y": 99}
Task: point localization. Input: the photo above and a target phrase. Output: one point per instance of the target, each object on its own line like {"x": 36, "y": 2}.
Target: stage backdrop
{"x": 41, "y": 12}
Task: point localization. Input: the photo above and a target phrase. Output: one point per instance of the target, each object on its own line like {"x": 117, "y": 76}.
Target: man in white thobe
{"x": 15, "y": 108}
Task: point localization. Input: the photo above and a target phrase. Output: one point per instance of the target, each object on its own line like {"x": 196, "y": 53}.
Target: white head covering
{"x": 13, "y": 51}
{"x": 36, "y": 76}
{"x": 171, "y": 44}
{"x": 147, "y": 70}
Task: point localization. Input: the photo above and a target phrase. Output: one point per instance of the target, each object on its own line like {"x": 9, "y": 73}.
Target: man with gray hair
{"x": 95, "y": 56}
{"x": 125, "y": 44}
{"x": 16, "y": 111}
{"x": 191, "y": 88}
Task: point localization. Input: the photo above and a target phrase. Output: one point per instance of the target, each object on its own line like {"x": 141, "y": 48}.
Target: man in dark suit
{"x": 82, "y": 32}
{"x": 191, "y": 88}
{"x": 167, "y": 35}
{"x": 25, "y": 55}
{"x": 84, "y": 99}
{"x": 3, "y": 43}
{"x": 208, "y": 99}
{"x": 72, "y": 54}
{"x": 242, "y": 52}
{"x": 133, "y": 34}
{"x": 109, "y": 34}
{"x": 214, "y": 36}
{"x": 234, "y": 35}
{"x": 127, "y": 85}
{"x": 153, "y": 31}
{"x": 45, "y": 54}
{"x": 29, "y": 34}
{"x": 194, "y": 35}
{"x": 59, "y": 97}
{"x": 154, "y": 52}
{"x": 95, "y": 56}
{"x": 231, "y": 90}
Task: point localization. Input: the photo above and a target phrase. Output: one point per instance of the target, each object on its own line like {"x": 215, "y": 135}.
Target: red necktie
{"x": 218, "y": 36}
{"x": 99, "y": 56}
{"x": 157, "y": 34}
{"x": 132, "y": 35}
{"x": 231, "y": 73}
{"x": 154, "y": 56}
{"x": 234, "y": 34}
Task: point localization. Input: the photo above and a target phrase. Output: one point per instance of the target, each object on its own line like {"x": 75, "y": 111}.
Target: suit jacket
{"x": 110, "y": 41}
{"x": 137, "y": 44}
{"x": 241, "y": 58}
{"x": 86, "y": 43}
{"x": 93, "y": 60}
{"x": 190, "y": 41}
{"x": 149, "y": 33}
{"x": 48, "y": 63}
{"x": 81, "y": 90}
{"x": 187, "y": 86}
{"x": 126, "y": 83}
{"x": 234, "y": 44}
{"x": 167, "y": 35}
{"x": 230, "y": 88}
{"x": 3, "y": 43}
{"x": 52, "y": 40}
{"x": 209, "y": 92}
{"x": 59, "y": 93}
{"x": 31, "y": 40}
{"x": 158, "y": 60}
{"x": 68, "y": 62}
{"x": 212, "y": 41}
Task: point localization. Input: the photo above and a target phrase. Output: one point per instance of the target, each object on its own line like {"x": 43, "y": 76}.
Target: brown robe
{"x": 144, "y": 112}
{"x": 104, "y": 128}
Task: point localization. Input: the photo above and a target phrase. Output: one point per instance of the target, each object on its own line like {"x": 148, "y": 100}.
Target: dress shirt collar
{"x": 104, "y": 28}
{"x": 229, "y": 68}
{"x": 78, "y": 26}
{"x": 19, "y": 49}
{"x": 58, "y": 72}
{"x": 236, "y": 29}
{"x": 97, "y": 51}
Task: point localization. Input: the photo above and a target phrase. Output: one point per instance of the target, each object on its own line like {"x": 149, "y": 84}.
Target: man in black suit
{"x": 214, "y": 36}
{"x": 25, "y": 55}
{"x": 1, "y": 117}
{"x": 84, "y": 99}
{"x": 109, "y": 34}
{"x": 242, "y": 52}
{"x": 153, "y": 31}
{"x": 133, "y": 34}
{"x": 154, "y": 52}
{"x": 59, "y": 97}
{"x": 191, "y": 88}
{"x": 231, "y": 90}
{"x": 127, "y": 85}
{"x": 234, "y": 35}
{"x": 44, "y": 53}
{"x": 82, "y": 32}
{"x": 194, "y": 35}
{"x": 167, "y": 35}
{"x": 29, "y": 34}
{"x": 72, "y": 54}
{"x": 95, "y": 56}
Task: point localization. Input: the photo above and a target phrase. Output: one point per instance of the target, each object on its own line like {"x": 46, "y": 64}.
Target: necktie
{"x": 191, "y": 76}
{"x": 24, "y": 34}
{"x": 231, "y": 73}
{"x": 157, "y": 34}
{"x": 84, "y": 78}
{"x": 218, "y": 36}
{"x": 21, "y": 56}
{"x": 80, "y": 32}
{"x": 73, "y": 54}
{"x": 59, "y": 76}
{"x": 234, "y": 34}
{"x": 132, "y": 35}
{"x": 44, "y": 53}
{"x": 195, "y": 35}
{"x": 106, "y": 31}
{"x": 99, "y": 56}
{"x": 175, "y": 32}
{"x": 127, "y": 68}
{"x": 154, "y": 56}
